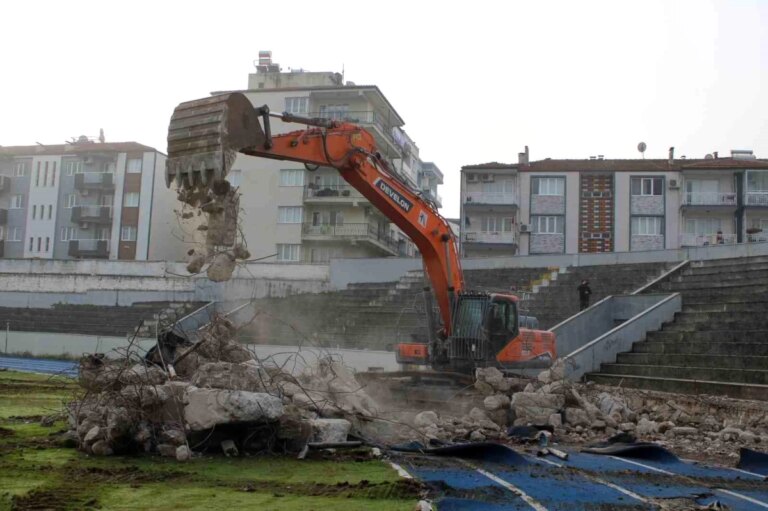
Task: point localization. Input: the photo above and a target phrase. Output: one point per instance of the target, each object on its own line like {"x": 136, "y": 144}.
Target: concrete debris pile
{"x": 221, "y": 249}
{"x": 579, "y": 413}
{"x": 212, "y": 396}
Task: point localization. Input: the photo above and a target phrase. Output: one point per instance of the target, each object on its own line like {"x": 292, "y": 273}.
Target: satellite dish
{"x": 709, "y": 157}
{"x": 641, "y": 147}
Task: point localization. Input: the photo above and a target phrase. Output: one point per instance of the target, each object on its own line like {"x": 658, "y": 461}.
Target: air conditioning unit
{"x": 673, "y": 184}
{"x": 85, "y": 225}
{"x": 471, "y": 178}
{"x": 525, "y": 228}
{"x": 486, "y": 178}
{"x": 470, "y": 236}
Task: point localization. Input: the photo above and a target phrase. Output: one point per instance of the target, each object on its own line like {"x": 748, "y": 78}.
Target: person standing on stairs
{"x": 584, "y": 293}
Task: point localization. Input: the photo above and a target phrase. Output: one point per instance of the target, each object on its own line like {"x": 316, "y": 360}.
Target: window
{"x": 297, "y": 106}
{"x": 548, "y": 224}
{"x": 72, "y": 167}
{"x": 106, "y": 200}
{"x": 291, "y": 177}
{"x": 327, "y": 218}
{"x": 548, "y": 186}
{"x": 235, "y": 177}
{"x": 133, "y": 165}
{"x": 21, "y": 169}
{"x": 45, "y": 175}
{"x": 14, "y": 234}
{"x": 70, "y": 200}
{"x": 103, "y": 233}
{"x": 34, "y": 212}
{"x": 39, "y": 243}
{"x": 109, "y": 167}
{"x": 2, "y": 233}
{"x": 338, "y": 112}
{"x": 37, "y": 175}
{"x": 327, "y": 180}
{"x": 647, "y": 226}
{"x": 288, "y": 252}
{"x": 647, "y": 186}
{"x": 47, "y": 244}
{"x": 31, "y": 244}
{"x": 68, "y": 234}
{"x": 50, "y": 211}
{"x": 289, "y": 214}
{"x": 702, "y": 226}
{"x": 17, "y": 202}
{"x": 496, "y": 224}
{"x": 128, "y": 233}
{"x": 53, "y": 175}
{"x": 757, "y": 181}
{"x": 131, "y": 200}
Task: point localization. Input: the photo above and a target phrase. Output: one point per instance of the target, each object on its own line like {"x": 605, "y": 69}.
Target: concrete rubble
{"x": 695, "y": 426}
{"x": 213, "y": 395}
{"x": 216, "y": 396}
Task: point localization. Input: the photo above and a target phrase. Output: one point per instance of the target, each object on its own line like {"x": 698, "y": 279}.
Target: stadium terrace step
{"x": 692, "y": 360}
{"x": 678, "y": 385}
{"x": 723, "y": 336}
{"x": 751, "y": 376}
{"x": 742, "y": 349}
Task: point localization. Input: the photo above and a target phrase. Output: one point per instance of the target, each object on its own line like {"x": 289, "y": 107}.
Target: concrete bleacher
{"x": 379, "y": 315}
{"x": 98, "y": 320}
{"x": 718, "y": 343}
{"x": 560, "y": 299}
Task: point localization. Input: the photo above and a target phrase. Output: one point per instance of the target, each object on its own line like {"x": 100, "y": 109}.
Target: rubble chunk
{"x": 330, "y": 430}
{"x": 425, "y": 419}
{"x": 206, "y": 408}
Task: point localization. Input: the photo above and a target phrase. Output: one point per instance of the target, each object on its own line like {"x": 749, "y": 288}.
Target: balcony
{"x": 5, "y": 184}
{"x": 331, "y": 194}
{"x": 703, "y": 240}
{"x": 89, "y": 249}
{"x": 351, "y": 232}
{"x": 3, "y": 216}
{"x": 380, "y": 128}
{"x": 92, "y": 214}
{"x": 496, "y": 238}
{"x": 490, "y": 199}
{"x": 759, "y": 199}
{"x": 709, "y": 199}
{"x": 94, "y": 181}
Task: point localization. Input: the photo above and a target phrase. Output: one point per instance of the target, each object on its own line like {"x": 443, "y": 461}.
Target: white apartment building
{"x": 302, "y": 216}
{"x": 601, "y": 205}
{"x": 85, "y": 199}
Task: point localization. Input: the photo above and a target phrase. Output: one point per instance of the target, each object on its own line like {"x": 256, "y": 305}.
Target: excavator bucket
{"x": 204, "y": 137}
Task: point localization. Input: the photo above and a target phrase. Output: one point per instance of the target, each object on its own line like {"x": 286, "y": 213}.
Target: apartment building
{"x": 82, "y": 200}
{"x": 603, "y": 205}
{"x": 298, "y": 215}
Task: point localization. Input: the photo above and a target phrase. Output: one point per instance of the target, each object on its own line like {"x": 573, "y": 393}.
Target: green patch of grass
{"x": 162, "y": 497}
{"x": 34, "y": 470}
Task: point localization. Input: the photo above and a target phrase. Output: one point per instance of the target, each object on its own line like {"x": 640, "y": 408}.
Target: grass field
{"x": 35, "y": 473}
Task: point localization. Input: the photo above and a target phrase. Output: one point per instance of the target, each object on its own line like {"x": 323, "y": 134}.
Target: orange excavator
{"x": 471, "y": 330}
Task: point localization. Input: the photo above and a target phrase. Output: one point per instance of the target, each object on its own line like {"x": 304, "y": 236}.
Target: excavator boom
{"x": 205, "y": 136}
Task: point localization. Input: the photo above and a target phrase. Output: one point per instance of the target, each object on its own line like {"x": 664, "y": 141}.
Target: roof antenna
{"x": 342, "y": 73}
{"x": 641, "y": 147}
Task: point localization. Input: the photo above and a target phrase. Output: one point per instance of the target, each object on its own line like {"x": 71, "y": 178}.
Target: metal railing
{"x": 709, "y": 198}
{"x": 94, "y": 179}
{"x": 358, "y": 117}
{"x": 757, "y": 198}
{"x": 703, "y": 240}
{"x": 316, "y": 191}
{"x": 489, "y": 237}
{"x": 351, "y": 231}
{"x": 491, "y": 198}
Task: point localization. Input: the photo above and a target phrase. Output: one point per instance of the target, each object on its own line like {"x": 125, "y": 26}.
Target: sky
{"x": 474, "y": 81}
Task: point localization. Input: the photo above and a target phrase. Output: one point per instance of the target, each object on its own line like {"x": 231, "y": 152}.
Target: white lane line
{"x": 645, "y": 466}
{"x": 727, "y": 492}
{"x": 620, "y": 489}
{"x": 400, "y": 470}
{"x": 696, "y": 462}
{"x": 743, "y": 497}
{"x": 514, "y": 489}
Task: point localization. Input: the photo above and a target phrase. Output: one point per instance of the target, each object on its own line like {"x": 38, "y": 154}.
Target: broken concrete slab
{"x": 330, "y": 431}
{"x": 206, "y": 408}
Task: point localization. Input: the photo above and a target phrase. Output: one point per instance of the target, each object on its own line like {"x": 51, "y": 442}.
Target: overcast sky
{"x": 474, "y": 81}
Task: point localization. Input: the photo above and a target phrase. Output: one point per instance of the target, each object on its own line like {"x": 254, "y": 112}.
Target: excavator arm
{"x": 205, "y": 136}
